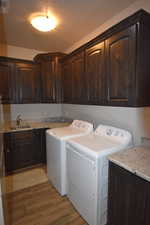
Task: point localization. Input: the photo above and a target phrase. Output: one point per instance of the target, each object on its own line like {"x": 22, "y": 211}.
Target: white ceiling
{"x": 77, "y": 18}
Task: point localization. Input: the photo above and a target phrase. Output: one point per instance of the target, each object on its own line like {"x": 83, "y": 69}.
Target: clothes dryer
{"x": 87, "y": 167}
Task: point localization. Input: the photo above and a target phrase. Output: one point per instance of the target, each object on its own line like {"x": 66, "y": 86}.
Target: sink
{"x": 20, "y": 127}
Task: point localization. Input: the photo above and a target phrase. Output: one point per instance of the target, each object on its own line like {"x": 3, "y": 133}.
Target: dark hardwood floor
{"x": 40, "y": 205}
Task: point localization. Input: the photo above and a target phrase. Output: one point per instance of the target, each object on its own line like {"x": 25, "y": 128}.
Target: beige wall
{"x": 3, "y": 41}
{"x": 136, "y": 120}
{"x": 21, "y": 53}
{"x": 35, "y": 112}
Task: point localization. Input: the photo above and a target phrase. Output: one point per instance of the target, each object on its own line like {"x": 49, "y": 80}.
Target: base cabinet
{"x": 128, "y": 198}
{"x": 24, "y": 149}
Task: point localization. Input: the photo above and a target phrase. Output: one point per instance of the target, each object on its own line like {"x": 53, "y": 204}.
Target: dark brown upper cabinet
{"x": 120, "y": 65}
{"x": 74, "y": 80}
{"x": 116, "y": 64}
{"x": 78, "y": 79}
{"x": 67, "y": 82}
{"x": 27, "y": 82}
{"x": 50, "y": 76}
{"x": 19, "y": 81}
{"x": 95, "y": 74}
{"x": 6, "y": 82}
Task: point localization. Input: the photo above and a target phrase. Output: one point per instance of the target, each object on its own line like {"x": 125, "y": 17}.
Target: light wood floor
{"x": 40, "y": 205}
{"x": 25, "y": 179}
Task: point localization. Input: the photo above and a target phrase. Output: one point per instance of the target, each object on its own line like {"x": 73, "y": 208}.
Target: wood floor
{"x": 40, "y": 205}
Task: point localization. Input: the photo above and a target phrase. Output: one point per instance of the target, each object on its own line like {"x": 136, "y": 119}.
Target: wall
{"x": 32, "y": 111}
{"x": 3, "y": 43}
{"x": 21, "y": 53}
{"x": 136, "y": 120}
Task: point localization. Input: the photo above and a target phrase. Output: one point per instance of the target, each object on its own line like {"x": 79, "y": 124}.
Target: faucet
{"x": 18, "y": 120}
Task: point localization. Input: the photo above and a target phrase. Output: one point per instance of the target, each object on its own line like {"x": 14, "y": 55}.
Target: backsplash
{"x": 135, "y": 120}
{"x": 32, "y": 111}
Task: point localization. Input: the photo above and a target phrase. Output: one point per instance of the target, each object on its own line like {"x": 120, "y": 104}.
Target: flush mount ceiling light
{"x": 44, "y": 23}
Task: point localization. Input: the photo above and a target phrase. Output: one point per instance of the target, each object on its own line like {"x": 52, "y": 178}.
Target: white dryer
{"x": 87, "y": 167}
{"x": 56, "y": 151}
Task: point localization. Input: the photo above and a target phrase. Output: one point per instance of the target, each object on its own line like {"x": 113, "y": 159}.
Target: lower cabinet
{"x": 24, "y": 149}
{"x": 128, "y": 198}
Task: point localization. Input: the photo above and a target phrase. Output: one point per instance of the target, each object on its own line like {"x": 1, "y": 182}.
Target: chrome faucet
{"x": 18, "y": 120}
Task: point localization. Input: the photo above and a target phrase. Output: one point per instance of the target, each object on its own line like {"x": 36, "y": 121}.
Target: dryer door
{"x": 82, "y": 184}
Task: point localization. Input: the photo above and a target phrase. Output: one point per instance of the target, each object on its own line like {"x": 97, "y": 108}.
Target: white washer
{"x": 56, "y": 151}
{"x": 87, "y": 170}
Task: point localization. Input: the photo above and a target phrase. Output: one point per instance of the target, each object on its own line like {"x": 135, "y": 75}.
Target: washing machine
{"x": 56, "y": 151}
{"x": 87, "y": 170}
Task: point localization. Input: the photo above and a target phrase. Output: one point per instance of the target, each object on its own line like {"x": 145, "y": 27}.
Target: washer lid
{"x": 77, "y": 128}
{"x": 95, "y": 145}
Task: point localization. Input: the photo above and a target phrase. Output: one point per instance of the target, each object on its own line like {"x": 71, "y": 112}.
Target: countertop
{"x": 135, "y": 160}
{"x": 7, "y": 127}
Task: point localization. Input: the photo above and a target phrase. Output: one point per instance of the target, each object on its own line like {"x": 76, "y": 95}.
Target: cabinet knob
{"x": 8, "y": 150}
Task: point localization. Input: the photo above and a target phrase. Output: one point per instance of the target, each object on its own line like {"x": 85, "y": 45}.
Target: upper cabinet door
{"x": 95, "y": 74}
{"x": 6, "y": 82}
{"x": 50, "y": 70}
{"x": 27, "y": 79}
{"x": 66, "y": 82}
{"x": 48, "y": 81}
{"x": 121, "y": 61}
{"x": 79, "y": 90}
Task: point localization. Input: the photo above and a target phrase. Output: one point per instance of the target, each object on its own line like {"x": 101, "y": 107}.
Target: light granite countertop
{"x": 135, "y": 160}
{"x": 8, "y": 126}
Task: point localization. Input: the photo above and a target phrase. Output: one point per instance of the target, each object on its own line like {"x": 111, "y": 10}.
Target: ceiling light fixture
{"x": 44, "y": 23}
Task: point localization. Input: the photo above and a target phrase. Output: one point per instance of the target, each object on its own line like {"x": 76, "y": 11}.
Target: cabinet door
{"x": 20, "y": 150}
{"x": 28, "y": 83}
{"x": 121, "y": 61}
{"x": 95, "y": 74}
{"x": 40, "y": 143}
{"x": 128, "y": 199}
{"x": 67, "y": 82}
{"x": 79, "y": 90}
{"x": 120, "y": 196}
{"x": 7, "y": 152}
{"x": 48, "y": 81}
{"x": 7, "y": 89}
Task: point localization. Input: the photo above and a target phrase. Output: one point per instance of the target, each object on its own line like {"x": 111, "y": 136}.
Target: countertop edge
{"x": 35, "y": 125}
{"x": 126, "y": 167}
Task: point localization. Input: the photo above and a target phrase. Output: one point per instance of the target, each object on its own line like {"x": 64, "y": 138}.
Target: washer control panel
{"x": 82, "y": 125}
{"x": 113, "y": 133}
